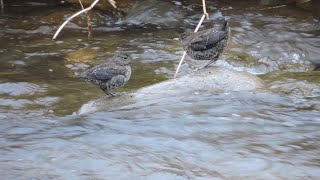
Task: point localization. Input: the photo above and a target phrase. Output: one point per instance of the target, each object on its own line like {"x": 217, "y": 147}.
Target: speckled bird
{"x": 207, "y": 44}
{"x": 115, "y": 72}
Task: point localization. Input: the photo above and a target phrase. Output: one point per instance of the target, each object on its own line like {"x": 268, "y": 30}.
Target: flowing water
{"x": 272, "y": 134}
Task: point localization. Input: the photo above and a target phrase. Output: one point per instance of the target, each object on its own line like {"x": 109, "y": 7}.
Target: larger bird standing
{"x": 207, "y": 44}
{"x": 113, "y": 73}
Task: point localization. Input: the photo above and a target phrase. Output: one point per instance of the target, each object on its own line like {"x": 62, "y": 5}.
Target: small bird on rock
{"x": 207, "y": 44}
{"x": 115, "y": 72}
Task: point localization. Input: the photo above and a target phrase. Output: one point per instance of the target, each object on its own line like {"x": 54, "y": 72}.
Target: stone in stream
{"x": 113, "y": 73}
{"x": 207, "y": 44}
{"x": 209, "y": 80}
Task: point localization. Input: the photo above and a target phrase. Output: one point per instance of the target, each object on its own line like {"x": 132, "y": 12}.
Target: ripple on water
{"x": 21, "y": 88}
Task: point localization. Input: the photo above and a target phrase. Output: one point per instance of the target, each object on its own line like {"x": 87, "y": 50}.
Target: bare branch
{"x": 81, "y": 4}
{"x": 88, "y": 22}
{"x": 200, "y": 22}
{"x": 112, "y": 2}
{"x": 73, "y": 16}
{"x": 274, "y": 7}
{"x": 89, "y": 26}
{"x": 205, "y": 9}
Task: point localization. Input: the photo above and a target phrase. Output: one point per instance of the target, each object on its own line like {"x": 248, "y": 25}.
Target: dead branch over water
{"x": 112, "y": 2}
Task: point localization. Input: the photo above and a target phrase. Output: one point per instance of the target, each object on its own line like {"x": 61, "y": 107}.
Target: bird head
{"x": 122, "y": 58}
{"x": 185, "y": 36}
{"x": 221, "y": 22}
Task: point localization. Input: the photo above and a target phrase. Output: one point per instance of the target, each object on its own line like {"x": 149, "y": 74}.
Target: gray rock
{"x": 210, "y": 80}
{"x": 295, "y": 84}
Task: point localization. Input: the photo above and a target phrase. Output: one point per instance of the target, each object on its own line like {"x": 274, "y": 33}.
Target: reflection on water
{"x": 235, "y": 135}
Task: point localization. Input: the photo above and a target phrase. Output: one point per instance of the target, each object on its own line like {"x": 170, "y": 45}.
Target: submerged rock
{"x": 82, "y": 55}
{"x": 209, "y": 80}
{"x": 298, "y": 84}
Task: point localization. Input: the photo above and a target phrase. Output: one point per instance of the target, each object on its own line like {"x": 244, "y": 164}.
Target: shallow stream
{"x": 273, "y": 134}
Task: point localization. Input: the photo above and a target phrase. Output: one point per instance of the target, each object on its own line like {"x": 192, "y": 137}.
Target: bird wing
{"x": 207, "y": 40}
{"x": 105, "y": 73}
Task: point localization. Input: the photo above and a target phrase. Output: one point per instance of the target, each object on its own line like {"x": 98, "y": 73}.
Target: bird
{"x": 207, "y": 44}
{"x": 114, "y": 72}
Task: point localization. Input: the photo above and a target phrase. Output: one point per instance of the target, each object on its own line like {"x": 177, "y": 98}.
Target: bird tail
{"x": 226, "y": 24}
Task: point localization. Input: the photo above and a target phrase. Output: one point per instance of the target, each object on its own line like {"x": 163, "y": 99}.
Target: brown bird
{"x": 207, "y": 44}
{"x": 115, "y": 72}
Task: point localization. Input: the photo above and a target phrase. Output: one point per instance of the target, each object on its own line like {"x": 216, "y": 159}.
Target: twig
{"x": 184, "y": 53}
{"x": 205, "y": 9}
{"x": 89, "y": 26}
{"x": 81, "y": 4}
{"x": 274, "y": 7}
{"x": 113, "y": 3}
{"x": 88, "y": 22}
{"x": 73, "y": 16}
{"x": 200, "y": 22}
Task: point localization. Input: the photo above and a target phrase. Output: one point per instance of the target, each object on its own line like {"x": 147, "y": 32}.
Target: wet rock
{"x": 241, "y": 61}
{"x": 298, "y": 84}
{"x": 245, "y": 62}
{"x": 209, "y": 80}
{"x": 21, "y": 88}
{"x": 213, "y": 80}
{"x": 270, "y": 42}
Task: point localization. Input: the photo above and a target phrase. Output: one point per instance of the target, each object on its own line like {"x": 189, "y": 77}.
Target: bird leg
{"x": 109, "y": 94}
{"x": 216, "y": 56}
{"x": 210, "y": 62}
{"x": 207, "y": 65}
